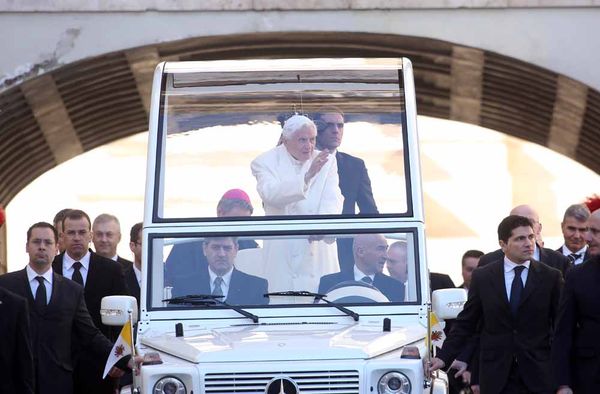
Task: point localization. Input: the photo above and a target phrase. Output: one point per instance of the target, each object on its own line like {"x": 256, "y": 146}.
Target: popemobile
{"x": 270, "y": 299}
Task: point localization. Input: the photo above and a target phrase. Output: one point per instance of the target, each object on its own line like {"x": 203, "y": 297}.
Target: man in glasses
{"x": 355, "y": 184}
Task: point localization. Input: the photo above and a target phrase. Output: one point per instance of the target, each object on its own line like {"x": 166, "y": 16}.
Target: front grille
{"x": 314, "y": 382}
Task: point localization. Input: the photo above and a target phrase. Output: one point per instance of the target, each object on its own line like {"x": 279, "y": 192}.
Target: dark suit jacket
{"x": 576, "y": 350}
{"x": 53, "y": 329}
{"x": 390, "y": 287}
{"x": 585, "y": 256}
{"x": 16, "y": 359}
{"x": 440, "y": 281}
{"x": 125, "y": 264}
{"x": 547, "y": 256}
{"x": 104, "y": 278}
{"x": 188, "y": 258}
{"x": 504, "y": 338}
{"x": 355, "y": 185}
{"x": 244, "y": 289}
{"x": 132, "y": 284}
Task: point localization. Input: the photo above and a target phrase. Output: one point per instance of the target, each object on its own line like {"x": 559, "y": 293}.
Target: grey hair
{"x": 580, "y": 212}
{"x": 105, "y": 218}
{"x": 295, "y": 123}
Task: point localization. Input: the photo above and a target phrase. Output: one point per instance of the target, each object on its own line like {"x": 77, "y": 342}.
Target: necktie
{"x": 573, "y": 256}
{"x": 516, "y": 290}
{"x": 76, "y": 273}
{"x": 218, "y": 291}
{"x": 367, "y": 279}
{"x": 40, "y": 294}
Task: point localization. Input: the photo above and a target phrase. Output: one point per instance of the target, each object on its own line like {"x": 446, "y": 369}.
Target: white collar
{"x": 226, "y": 278}
{"x": 580, "y": 252}
{"x": 358, "y": 274}
{"x": 68, "y": 261}
{"x": 31, "y": 274}
{"x": 510, "y": 265}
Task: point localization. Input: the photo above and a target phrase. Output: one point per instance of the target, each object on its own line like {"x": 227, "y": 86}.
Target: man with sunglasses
{"x": 354, "y": 180}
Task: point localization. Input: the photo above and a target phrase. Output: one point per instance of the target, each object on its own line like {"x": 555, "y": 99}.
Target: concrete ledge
{"x": 274, "y": 5}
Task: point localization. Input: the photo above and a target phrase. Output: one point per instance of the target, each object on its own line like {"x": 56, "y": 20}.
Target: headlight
{"x": 169, "y": 385}
{"x": 393, "y": 383}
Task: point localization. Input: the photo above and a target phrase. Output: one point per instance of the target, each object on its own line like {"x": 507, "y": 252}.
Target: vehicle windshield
{"x": 224, "y": 130}
{"x": 347, "y": 269}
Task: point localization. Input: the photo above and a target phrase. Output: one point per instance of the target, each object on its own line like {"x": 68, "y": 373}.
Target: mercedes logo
{"x": 282, "y": 385}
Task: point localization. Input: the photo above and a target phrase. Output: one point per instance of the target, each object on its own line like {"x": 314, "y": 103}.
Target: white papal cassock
{"x": 297, "y": 264}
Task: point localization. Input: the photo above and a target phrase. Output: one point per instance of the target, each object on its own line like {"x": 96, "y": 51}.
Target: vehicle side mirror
{"x": 115, "y": 310}
{"x": 447, "y": 303}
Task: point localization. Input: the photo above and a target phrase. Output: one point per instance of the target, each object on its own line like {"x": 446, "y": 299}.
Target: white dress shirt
{"x": 224, "y": 285}
{"x": 581, "y": 252}
{"x": 34, "y": 284}
{"x": 68, "y": 266}
{"x": 138, "y": 275}
{"x": 509, "y": 274}
{"x": 359, "y": 275}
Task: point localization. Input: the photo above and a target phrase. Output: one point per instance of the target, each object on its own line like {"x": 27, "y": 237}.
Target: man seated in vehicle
{"x": 370, "y": 256}
{"x": 220, "y": 278}
{"x": 186, "y": 258}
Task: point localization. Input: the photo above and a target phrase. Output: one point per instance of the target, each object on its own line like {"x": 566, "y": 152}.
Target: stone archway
{"x": 47, "y": 120}
{"x": 80, "y": 106}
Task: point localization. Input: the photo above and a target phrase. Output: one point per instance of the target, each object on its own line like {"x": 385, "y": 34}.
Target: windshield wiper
{"x": 209, "y": 299}
{"x": 316, "y": 296}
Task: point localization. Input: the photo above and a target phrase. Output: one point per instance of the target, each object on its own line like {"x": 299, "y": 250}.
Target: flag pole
{"x": 130, "y": 312}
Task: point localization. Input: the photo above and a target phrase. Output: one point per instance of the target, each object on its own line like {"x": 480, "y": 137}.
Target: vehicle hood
{"x": 284, "y": 342}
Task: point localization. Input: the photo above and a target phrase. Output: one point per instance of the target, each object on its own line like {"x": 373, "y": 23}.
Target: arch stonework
{"x": 80, "y": 106}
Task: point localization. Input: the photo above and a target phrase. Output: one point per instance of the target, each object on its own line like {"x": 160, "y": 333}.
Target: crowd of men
{"x": 529, "y": 322}
{"x": 51, "y": 333}
{"x": 528, "y": 325}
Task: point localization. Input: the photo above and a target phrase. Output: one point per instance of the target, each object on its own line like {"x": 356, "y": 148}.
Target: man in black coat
{"x": 515, "y": 301}
{"x": 106, "y": 235}
{"x": 370, "y": 255}
{"x": 57, "y": 313}
{"x": 576, "y": 350}
{"x": 219, "y": 277}
{"x": 133, "y": 275}
{"x": 188, "y": 257}
{"x": 544, "y": 255}
{"x": 355, "y": 183}
{"x": 16, "y": 359}
{"x": 574, "y": 229}
{"x": 100, "y": 277}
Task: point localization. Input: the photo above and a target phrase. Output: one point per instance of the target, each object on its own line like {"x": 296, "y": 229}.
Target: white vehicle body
{"x": 294, "y": 346}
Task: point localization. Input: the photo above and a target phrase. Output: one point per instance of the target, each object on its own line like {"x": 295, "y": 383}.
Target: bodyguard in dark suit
{"x": 57, "y": 313}
{"x": 547, "y": 256}
{"x": 576, "y": 350}
{"x": 133, "y": 275}
{"x": 370, "y": 255}
{"x": 106, "y": 235}
{"x": 355, "y": 183}
{"x": 219, "y": 277}
{"x": 100, "y": 277}
{"x": 440, "y": 281}
{"x": 16, "y": 359}
{"x": 516, "y": 301}
{"x": 574, "y": 229}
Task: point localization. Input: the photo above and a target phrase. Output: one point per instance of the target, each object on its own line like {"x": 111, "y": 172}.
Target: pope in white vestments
{"x": 296, "y": 179}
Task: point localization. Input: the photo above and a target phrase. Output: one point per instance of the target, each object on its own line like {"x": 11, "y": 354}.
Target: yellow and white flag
{"x": 437, "y": 330}
{"x": 121, "y": 348}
